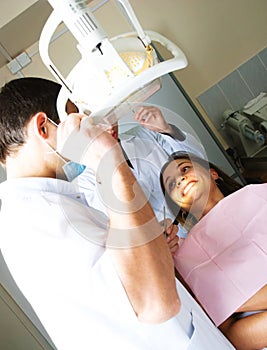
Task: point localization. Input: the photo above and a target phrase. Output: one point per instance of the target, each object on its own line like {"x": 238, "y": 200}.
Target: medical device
{"x": 247, "y": 139}
{"x": 112, "y": 74}
{"x": 256, "y": 111}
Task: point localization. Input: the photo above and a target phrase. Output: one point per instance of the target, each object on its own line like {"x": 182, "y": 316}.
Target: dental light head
{"x": 113, "y": 73}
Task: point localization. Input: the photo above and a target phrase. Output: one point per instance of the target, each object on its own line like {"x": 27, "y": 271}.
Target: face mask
{"x": 70, "y": 168}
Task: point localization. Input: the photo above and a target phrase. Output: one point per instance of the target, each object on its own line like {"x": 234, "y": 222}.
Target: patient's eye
{"x": 185, "y": 168}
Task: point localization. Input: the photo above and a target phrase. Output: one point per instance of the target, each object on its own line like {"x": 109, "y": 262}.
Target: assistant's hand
{"x": 152, "y": 118}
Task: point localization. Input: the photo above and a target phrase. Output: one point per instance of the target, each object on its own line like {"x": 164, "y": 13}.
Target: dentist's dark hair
{"x": 225, "y": 183}
{"x": 20, "y": 99}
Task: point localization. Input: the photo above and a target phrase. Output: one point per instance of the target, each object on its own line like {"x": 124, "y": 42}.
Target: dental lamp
{"x": 113, "y": 73}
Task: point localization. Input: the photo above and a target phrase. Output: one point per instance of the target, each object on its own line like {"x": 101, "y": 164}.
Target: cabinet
{"x": 20, "y": 329}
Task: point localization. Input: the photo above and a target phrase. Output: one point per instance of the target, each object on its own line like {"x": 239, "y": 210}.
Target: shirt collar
{"x": 40, "y": 184}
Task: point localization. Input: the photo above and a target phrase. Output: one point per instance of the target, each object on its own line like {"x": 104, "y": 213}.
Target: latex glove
{"x": 81, "y": 141}
{"x": 152, "y": 118}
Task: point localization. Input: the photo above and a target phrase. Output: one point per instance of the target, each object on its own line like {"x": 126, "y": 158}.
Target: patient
{"x": 223, "y": 259}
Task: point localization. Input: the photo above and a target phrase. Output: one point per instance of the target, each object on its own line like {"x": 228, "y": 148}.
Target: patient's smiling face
{"x": 188, "y": 182}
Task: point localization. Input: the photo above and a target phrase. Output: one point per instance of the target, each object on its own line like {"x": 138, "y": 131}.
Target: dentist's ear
{"x": 40, "y": 125}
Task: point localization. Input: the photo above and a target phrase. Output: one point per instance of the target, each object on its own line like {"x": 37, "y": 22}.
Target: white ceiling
{"x": 11, "y": 9}
{"x": 20, "y": 26}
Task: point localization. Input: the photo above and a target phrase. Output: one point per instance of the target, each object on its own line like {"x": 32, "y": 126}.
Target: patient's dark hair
{"x": 226, "y": 184}
{"x": 20, "y": 99}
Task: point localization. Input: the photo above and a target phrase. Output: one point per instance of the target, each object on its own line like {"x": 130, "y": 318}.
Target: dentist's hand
{"x": 152, "y": 118}
{"x": 81, "y": 141}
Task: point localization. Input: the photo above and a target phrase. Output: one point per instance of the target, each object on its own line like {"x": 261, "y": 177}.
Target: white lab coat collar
{"x": 17, "y": 187}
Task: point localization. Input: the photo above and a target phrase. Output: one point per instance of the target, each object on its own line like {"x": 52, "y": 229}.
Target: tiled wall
{"x": 235, "y": 90}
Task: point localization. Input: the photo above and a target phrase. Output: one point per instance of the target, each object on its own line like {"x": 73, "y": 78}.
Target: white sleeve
{"x": 187, "y": 142}
{"x": 190, "y": 144}
{"x": 87, "y": 184}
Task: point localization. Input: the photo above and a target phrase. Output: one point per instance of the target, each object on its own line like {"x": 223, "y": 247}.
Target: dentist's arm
{"x": 135, "y": 241}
